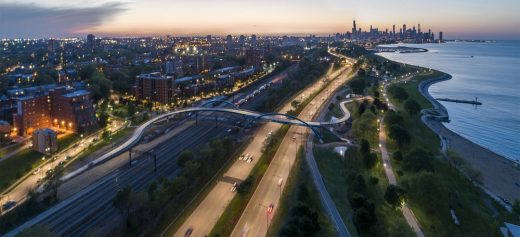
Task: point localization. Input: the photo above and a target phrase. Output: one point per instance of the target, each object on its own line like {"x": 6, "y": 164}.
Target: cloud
{"x": 33, "y": 21}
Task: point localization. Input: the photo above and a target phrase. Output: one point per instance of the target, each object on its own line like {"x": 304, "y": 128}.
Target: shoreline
{"x": 498, "y": 172}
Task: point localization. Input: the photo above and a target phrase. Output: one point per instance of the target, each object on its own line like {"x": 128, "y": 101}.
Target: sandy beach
{"x": 500, "y": 176}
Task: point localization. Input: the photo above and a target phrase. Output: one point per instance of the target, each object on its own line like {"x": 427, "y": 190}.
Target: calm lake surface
{"x": 489, "y": 71}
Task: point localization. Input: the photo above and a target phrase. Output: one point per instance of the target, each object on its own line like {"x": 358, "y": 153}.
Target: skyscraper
{"x": 91, "y": 41}
{"x": 208, "y": 38}
{"x": 229, "y": 42}
{"x": 354, "y": 28}
{"x": 253, "y": 40}
{"x": 440, "y": 37}
{"x": 393, "y": 29}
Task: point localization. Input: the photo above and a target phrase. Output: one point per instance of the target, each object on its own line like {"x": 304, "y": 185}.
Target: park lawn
{"x": 300, "y": 179}
{"x": 330, "y": 165}
{"x": 22, "y": 163}
{"x": 327, "y": 136}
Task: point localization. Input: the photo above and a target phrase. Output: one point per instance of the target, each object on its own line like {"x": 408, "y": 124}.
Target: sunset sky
{"x": 465, "y": 19}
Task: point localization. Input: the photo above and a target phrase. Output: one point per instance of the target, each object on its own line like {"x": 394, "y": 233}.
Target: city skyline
{"x": 27, "y": 19}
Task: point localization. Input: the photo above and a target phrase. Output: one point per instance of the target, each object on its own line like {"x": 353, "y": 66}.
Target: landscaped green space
{"x": 357, "y": 189}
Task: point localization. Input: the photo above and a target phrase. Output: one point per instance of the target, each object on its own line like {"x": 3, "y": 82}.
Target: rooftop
{"x": 77, "y": 93}
{"x": 155, "y": 76}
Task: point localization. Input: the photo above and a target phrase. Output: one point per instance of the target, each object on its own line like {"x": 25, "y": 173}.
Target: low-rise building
{"x": 45, "y": 141}
{"x": 33, "y": 112}
{"x": 62, "y": 108}
{"x": 155, "y": 87}
{"x": 73, "y": 110}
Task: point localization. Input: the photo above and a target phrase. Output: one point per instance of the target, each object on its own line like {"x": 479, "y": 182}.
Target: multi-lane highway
{"x": 204, "y": 217}
{"x": 255, "y": 219}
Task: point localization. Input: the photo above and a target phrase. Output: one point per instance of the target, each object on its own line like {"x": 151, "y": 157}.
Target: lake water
{"x": 489, "y": 71}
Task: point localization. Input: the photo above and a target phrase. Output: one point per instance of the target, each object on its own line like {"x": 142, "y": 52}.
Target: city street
{"x": 31, "y": 181}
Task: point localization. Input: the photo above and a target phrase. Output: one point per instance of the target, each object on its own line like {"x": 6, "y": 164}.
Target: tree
{"x": 122, "y": 200}
{"x": 246, "y": 185}
{"x": 393, "y": 118}
{"x": 370, "y": 160}
{"x": 131, "y": 109}
{"x": 295, "y": 104}
{"x": 364, "y": 147}
{"x": 185, "y": 156}
{"x": 191, "y": 169}
{"x": 99, "y": 86}
{"x": 358, "y": 85}
{"x": 359, "y": 184}
{"x": 179, "y": 184}
{"x": 86, "y": 72}
{"x": 398, "y": 93}
{"x": 398, "y": 156}
{"x": 103, "y": 119}
{"x": 412, "y": 106}
{"x": 362, "y": 108}
{"x": 394, "y": 195}
{"x": 53, "y": 180}
{"x": 400, "y": 135}
{"x": 364, "y": 218}
{"x": 151, "y": 190}
{"x": 121, "y": 81}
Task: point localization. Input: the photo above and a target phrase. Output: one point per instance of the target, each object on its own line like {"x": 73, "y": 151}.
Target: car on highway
{"x": 8, "y": 205}
{"x": 270, "y": 208}
{"x": 36, "y": 171}
{"x": 188, "y": 232}
{"x": 235, "y": 187}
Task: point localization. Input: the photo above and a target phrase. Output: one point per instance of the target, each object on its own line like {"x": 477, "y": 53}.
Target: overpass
{"x": 253, "y": 115}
